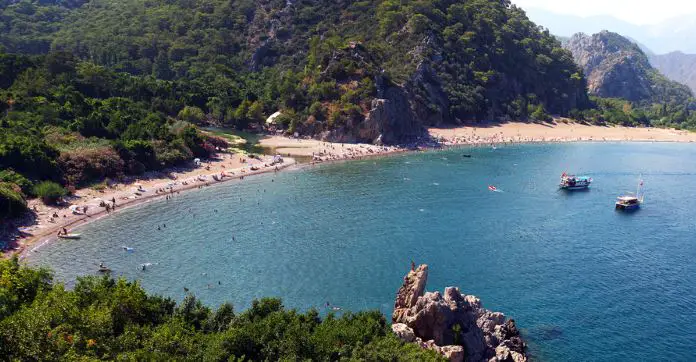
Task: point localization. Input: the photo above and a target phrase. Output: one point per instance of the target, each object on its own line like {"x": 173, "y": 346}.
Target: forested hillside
{"x": 71, "y": 122}
{"x": 459, "y": 60}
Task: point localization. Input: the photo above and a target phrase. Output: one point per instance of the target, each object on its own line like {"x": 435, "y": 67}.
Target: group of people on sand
{"x": 329, "y": 152}
{"x": 500, "y": 138}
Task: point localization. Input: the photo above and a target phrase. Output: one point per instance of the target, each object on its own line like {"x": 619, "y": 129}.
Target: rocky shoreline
{"x": 454, "y": 324}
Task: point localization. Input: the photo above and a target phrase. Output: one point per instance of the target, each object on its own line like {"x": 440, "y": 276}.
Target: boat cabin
{"x": 627, "y": 203}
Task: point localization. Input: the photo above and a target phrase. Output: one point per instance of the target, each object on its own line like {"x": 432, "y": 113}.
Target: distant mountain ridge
{"x": 677, "y": 66}
{"x": 668, "y": 36}
{"x": 617, "y": 68}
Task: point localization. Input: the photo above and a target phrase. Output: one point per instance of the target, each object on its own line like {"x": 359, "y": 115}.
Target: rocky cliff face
{"x": 453, "y": 324}
{"x": 615, "y": 67}
{"x": 396, "y": 113}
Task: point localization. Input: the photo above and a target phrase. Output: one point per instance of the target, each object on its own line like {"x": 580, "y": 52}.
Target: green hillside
{"x": 478, "y": 59}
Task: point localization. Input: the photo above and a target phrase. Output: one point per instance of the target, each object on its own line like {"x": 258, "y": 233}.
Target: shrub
{"x": 540, "y": 115}
{"x": 12, "y": 201}
{"x": 13, "y": 177}
{"x": 49, "y": 191}
{"x": 192, "y": 114}
{"x": 81, "y": 166}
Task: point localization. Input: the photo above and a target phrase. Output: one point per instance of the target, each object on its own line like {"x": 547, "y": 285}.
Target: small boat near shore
{"x": 70, "y": 236}
{"x": 572, "y": 182}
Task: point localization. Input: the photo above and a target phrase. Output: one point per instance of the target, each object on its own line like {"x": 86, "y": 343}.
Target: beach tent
{"x": 197, "y": 161}
{"x": 272, "y": 118}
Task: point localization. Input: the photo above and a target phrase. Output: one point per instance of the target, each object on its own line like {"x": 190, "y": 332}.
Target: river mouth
{"x": 563, "y": 265}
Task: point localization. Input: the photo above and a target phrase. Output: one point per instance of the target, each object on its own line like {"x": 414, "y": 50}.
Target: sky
{"x": 639, "y": 12}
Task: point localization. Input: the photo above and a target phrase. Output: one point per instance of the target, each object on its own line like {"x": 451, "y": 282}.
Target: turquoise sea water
{"x": 583, "y": 281}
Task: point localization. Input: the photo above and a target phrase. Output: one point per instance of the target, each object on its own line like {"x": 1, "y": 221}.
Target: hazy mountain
{"x": 668, "y": 36}
{"x": 677, "y": 66}
{"x": 616, "y": 67}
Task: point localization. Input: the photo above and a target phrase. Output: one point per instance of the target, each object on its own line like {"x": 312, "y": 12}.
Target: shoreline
{"x": 44, "y": 230}
{"x": 47, "y": 231}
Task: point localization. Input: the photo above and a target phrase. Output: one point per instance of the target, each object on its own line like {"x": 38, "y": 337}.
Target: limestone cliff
{"x": 453, "y": 324}
{"x": 615, "y": 67}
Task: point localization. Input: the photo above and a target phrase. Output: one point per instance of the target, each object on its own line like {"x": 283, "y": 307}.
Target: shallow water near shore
{"x": 583, "y": 281}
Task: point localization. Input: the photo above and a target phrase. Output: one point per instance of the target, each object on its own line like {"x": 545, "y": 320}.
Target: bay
{"x": 581, "y": 280}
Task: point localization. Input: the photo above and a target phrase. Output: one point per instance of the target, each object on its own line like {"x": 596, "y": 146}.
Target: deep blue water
{"x": 583, "y": 281}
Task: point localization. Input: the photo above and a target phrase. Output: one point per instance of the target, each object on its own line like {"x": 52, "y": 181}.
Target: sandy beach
{"x": 556, "y": 132}
{"x": 320, "y": 151}
{"x": 49, "y": 220}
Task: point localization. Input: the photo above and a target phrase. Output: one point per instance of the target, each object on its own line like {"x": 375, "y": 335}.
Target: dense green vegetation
{"x": 622, "y": 112}
{"x": 108, "y": 319}
{"x": 72, "y": 122}
{"x": 491, "y": 60}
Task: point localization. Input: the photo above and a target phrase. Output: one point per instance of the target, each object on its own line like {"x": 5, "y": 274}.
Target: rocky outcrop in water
{"x": 453, "y": 324}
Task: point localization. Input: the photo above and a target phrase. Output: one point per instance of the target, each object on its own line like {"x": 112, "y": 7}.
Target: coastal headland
{"x": 226, "y": 167}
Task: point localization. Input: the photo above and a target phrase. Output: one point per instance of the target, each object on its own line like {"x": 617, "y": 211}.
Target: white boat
{"x": 631, "y": 202}
{"x": 70, "y": 236}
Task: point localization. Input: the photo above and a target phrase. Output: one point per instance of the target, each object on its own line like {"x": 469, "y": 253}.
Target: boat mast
{"x": 639, "y": 191}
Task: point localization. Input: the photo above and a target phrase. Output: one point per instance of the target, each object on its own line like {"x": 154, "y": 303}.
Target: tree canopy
{"x": 106, "y": 319}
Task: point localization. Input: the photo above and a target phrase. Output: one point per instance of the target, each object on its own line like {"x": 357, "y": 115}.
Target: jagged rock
{"x": 453, "y": 353}
{"x": 454, "y": 320}
{"x": 407, "y": 296}
{"x": 404, "y": 332}
{"x": 391, "y": 119}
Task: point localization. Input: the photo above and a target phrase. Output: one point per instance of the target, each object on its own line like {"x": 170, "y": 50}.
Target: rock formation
{"x": 455, "y": 325}
{"x": 617, "y": 68}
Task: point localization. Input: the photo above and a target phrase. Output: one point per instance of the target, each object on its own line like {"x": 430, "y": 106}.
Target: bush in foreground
{"x": 102, "y": 318}
{"x": 49, "y": 191}
{"x": 12, "y": 202}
